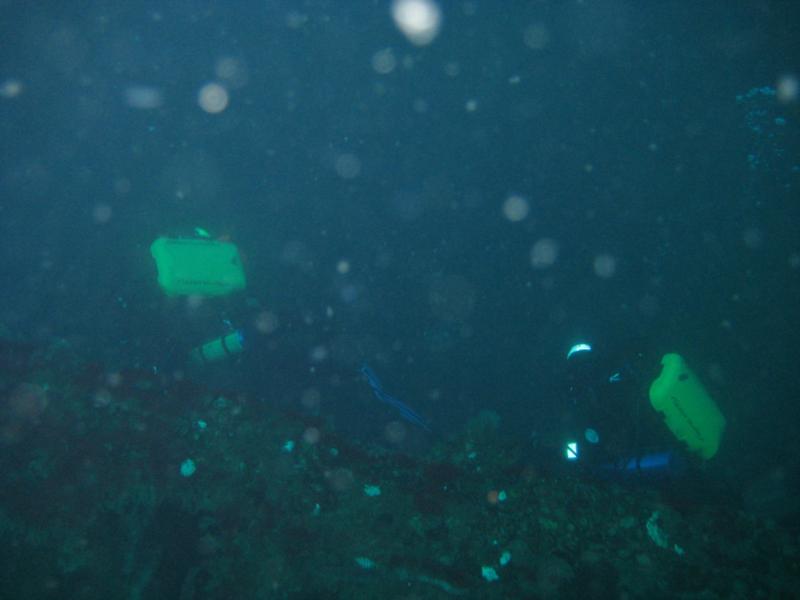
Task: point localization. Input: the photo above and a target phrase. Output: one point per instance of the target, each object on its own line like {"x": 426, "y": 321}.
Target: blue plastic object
{"x": 405, "y": 411}
{"x": 653, "y": 466}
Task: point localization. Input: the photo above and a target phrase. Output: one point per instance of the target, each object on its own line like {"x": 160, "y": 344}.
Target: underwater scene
{"x": 399, "y": 299}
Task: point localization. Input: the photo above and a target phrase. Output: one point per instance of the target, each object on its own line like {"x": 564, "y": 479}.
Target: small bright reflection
{"x": 571, "y": 451}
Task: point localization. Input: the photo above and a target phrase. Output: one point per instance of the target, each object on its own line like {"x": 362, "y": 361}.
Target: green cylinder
{"x": 218, "y": 349}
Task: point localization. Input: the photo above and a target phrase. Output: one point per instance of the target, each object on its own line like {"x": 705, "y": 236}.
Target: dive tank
{"x": 218, "y": 348}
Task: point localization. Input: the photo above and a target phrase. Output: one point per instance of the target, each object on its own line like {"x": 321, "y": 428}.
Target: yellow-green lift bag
{"x": 199, "y": 267}
{"x": 688, "y": 410}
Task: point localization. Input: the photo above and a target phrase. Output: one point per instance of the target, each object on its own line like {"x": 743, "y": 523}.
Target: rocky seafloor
{"x": 124, "y": 485}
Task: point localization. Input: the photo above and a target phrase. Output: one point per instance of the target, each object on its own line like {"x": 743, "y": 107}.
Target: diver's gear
{"x": 219, "y": 348}
{"x": 688, "y": 410}
{"x": 576, "y": 348}
{"x": 648, "y": 467}
{"x": 198, "y": 266}
{"x": 571, "y": 451}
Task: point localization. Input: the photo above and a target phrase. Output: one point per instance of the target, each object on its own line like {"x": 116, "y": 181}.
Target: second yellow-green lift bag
{"x": 689, "y": 412}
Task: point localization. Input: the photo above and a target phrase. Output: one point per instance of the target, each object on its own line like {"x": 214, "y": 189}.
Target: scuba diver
{"x": 631, "y": 418}
{"x": 201, "y": 267}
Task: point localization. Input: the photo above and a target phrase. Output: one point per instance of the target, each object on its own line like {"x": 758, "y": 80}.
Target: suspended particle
{"x": 143, "y": 97}
{"x": 10, "y": 88}
{"x": 213, "y": 98}
{"x": 788, "y": 89}
{"x": 347, "y": 166}
{"x": 515, "y": 208}
{"x": 544, "y": 253}
{"x": 384, "y": 61}
{"x": 101, "y": 213}
{"x": 605, "y": 266}
{"x": 536, "y": 36}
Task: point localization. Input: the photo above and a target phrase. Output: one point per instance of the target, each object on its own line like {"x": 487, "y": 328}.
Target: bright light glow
{"x": 418, "y": 20}
{"x": 582, "y": 347}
